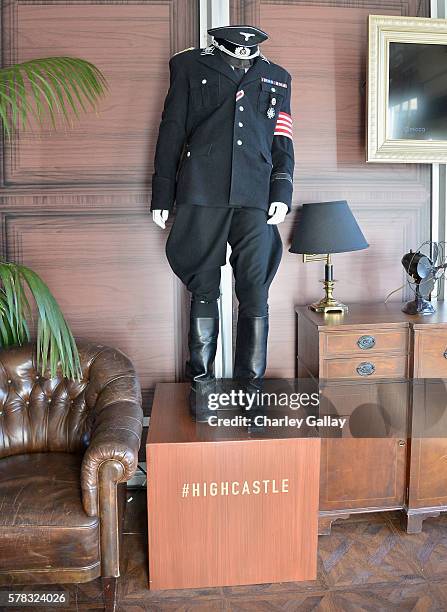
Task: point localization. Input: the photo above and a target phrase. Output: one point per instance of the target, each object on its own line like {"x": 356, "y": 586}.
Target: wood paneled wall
{"x": 323, "y": 44}
{"x": 74, "y": 203}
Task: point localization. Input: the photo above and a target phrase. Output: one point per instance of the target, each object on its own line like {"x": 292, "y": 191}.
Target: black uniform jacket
{"x": 223, "y": 142}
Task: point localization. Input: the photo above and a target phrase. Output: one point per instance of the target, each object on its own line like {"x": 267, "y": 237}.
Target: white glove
{"x": 277, "y": 213}
{"x": 160, "y": 217}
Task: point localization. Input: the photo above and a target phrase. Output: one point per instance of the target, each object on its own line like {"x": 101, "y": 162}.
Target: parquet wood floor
{"x": 368, "y": 564}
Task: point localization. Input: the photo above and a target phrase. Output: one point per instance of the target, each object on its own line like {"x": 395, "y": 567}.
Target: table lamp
{"x": 326, "y": 228}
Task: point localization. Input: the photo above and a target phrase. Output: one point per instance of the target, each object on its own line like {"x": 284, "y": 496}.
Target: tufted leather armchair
{"x": 66, "y": 450}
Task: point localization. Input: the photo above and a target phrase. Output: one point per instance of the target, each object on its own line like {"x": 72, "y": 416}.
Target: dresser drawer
{"x": 379, "y": 366}
{"x": 431, "y": 353}
{"x": 364, "y": 341}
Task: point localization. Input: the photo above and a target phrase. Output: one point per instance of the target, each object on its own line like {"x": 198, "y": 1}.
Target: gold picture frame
{"x": 383, "y": 145}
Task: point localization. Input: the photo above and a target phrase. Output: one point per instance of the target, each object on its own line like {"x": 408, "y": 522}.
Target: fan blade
{"x": 427, "y": 285}
{"x": 424, "y": 267}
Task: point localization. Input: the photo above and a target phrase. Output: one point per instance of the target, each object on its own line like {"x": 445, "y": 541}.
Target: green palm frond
{"x": 55, "y": 342}
{"x": 49, "y": 85}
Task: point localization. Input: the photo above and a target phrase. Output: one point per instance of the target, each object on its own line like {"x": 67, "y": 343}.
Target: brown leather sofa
{"x": 66, "y": 450}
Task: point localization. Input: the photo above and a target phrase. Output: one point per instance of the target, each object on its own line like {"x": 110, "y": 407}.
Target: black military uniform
{"x": 224, "y": 154}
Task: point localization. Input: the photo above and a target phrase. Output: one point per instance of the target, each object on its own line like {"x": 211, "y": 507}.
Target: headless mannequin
{"x": 277, "y": 210}
{"x": 196, "y": 251}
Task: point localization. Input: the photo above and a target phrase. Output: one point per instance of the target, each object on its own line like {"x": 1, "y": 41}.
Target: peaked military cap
{"x": 240, "y": 35}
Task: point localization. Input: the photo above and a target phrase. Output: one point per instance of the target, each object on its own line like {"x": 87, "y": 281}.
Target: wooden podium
{"x": 226, "y": 507}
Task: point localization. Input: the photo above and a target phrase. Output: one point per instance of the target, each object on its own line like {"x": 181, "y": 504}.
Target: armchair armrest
{"x": 116, "y": 430}
{"x": 111, "y": 458}
{"x": 118, "y": 440}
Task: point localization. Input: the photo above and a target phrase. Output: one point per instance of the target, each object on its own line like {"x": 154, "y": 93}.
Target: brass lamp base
{"x": 325, "y": 306}
{"x": 328, "y": 303}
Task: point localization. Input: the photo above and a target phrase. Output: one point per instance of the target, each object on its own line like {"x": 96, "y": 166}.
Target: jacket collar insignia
{"x": 208, "y": 50}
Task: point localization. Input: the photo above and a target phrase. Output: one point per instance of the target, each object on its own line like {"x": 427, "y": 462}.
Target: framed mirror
{"x": 407, "y": 90}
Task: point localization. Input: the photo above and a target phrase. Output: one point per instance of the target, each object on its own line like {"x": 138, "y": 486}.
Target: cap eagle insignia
{"x": 247, "y": 35}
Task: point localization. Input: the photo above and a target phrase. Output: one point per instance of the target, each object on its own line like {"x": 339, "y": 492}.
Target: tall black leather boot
{"x": 251, "y": 350}
{"x": 202, "y": 341}
{"x": 250, "y": 363}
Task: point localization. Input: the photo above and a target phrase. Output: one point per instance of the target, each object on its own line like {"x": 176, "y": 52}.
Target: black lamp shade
{"x": 327, "y": 227}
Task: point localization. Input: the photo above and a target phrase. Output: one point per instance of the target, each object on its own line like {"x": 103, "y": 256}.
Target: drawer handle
{"x": 366, "y": 342}
{"x": 366, "y": 368}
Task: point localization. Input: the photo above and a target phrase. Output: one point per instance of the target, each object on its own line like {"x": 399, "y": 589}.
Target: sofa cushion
{"x": 42, "y": 522}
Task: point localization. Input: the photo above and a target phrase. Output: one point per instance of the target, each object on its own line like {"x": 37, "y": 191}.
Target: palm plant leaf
{"x": 72, "y": 81}
{"x": 6, "y": 335}
{"x": 56, "y": 346}
{"x": 48, "y": 85}
{"x": 12, "y": 313}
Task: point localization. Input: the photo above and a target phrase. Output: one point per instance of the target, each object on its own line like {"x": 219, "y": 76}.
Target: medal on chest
{"x": 271, "y": 112}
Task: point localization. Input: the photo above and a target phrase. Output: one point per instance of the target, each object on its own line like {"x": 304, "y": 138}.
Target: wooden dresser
{"x": 384, "y": 371}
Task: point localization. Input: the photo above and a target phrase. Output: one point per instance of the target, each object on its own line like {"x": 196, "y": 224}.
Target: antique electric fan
{"x": 424, "y": 268}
